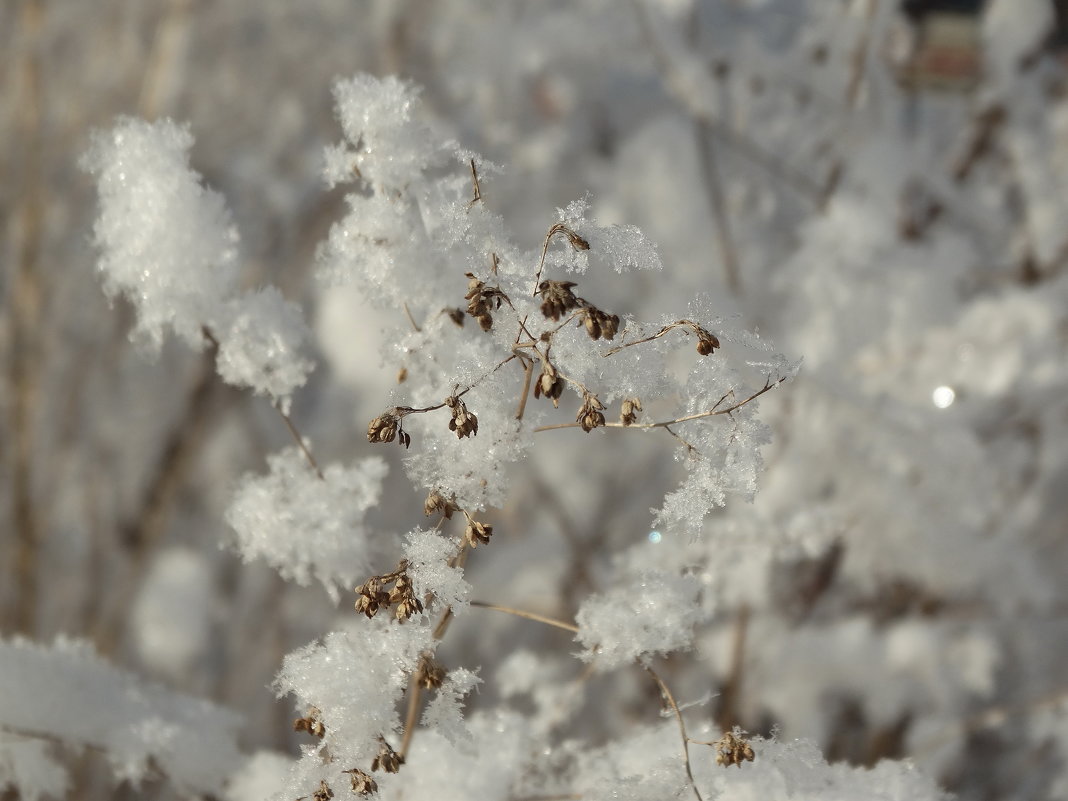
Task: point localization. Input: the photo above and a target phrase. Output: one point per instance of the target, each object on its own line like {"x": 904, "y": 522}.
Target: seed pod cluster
{"x": 477, "y": 533}
{"x": 590, "y": 415}
{"x": 430, "y": 674}
{"x": 600, "y": 324}
{"x": 386, "y": 428}
{"x": 482, "y": 300}
{"x": 733, "y": 750}
{"x": 311, "y": 723}
{"x": 549, "y": 384}
{"x": 374, "y": 595}
{"x": 324, "y": 793}
{"x": 387, "y": 759}
{"x": 628, "y": 411}
{"x": 707, "y": 342}
{"x": 436, "y": 502}
{"x": 463, "y": 422}
{"x": 362, "y": 783}
{"x": 557, "y": 298}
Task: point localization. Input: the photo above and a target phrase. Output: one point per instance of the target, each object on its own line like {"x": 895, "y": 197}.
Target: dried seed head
{"x": 372, "y": 597}
{"x": 481, "y": 300}
{"x": 403, "y": 595}
{"x": 387, "y": 759}
{"x": 577, "y": 242}
{"x": 590, "y": 414}
{"x": 600, "y": 324}
{"x": 463, "y": 422}
{"x": 402, "y": 375}
{"x": 362, "y": 783}
{"x": 310, "y": 723}
{"x": 430, "y": 674}
{"x": 383, "y": 428}
{"x": 628, "y": 411}
{"x": 456, "y": 314}
{"x": 477, "y": 533}
{"x": 733, "y": 750}
{"x": 557, "y": 298}
{"x": 324, "y": 793}
{"x": 436, "y": 502}
{"x": 706, "y": 342}
{"x": 549, "y": 384}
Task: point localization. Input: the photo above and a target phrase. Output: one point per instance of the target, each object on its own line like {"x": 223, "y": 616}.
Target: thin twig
{"x": 682, "y": 728}
{"x": 548, "y": 621}
{"x": 714, "y": 412}
{"x": 478, "y": 188}
{"x": 408, "y": 314}
{"x": 300, "y": 441}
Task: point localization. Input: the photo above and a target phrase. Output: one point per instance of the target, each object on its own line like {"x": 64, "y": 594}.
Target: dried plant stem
{"x": 713, "y": 412}
{"x": 477, "y": 197}
{"x": 408, "y": 314}
{"x": 548, "y": 621}
{"x": 25, "y": 301}
{"x": 300, "y": 441}
{"x": 677, "y": 324}
{"x": 732, "y": 689}
{"x": 666, "y": 692}
{"x": 415, "y": 689}
{"x": 717, "y": 197}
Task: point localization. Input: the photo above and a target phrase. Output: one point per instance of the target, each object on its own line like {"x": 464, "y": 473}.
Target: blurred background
{"x": 879, "y": 187}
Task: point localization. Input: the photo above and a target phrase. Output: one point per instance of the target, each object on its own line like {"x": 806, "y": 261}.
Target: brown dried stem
{"x": 548, "y": 621}
{"x": 682, "y": 727}
{"x": 713, "y": 412}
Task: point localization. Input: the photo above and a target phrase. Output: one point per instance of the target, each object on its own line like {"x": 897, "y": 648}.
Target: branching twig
{"x": 682, "y": 727}
{"x": 713, "y": 412}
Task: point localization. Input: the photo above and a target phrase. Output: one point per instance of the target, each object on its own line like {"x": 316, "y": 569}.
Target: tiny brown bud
{"x": 387, "y": 759}
{"x": 477, "y": 533}
{"x": 628, "y": 411}
{"x": 362, "y": 783}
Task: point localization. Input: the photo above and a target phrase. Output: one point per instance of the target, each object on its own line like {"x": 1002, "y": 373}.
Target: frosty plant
{"x": 481, "y": 325}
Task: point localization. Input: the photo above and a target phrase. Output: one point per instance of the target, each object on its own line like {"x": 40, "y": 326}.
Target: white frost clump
{"x": 168, "y": 243}
{"x": 66, "y": 692}
{"x": 305, "y": 526}
{"x": 260, "y": 344}
{"x": 355, "y": 679}
{"x": 387, "y": 140}
{"x": 445, "y": 711}
{"x": 428, "y": 554}
{"x": 653, "y": 614}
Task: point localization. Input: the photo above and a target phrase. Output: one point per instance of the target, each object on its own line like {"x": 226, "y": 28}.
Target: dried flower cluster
{"x": 386, "y": 428}
{"x": 549, "y": 384}
{"x": 557, "y": 298}
{"x": 311, "y": 723}
{"x": 477, "y": 533}
{"x": 387, "y": 759}
{"x": 375, "y": 596}
{"x": 362, "y": 783}
{"x": 430, "y": 673}
{"x": 437, "y": 503}
{"x": 591, "y": 414}
{"x": 482, "y": 300}
{"x": 628, "y": 411}
{"x": 463, "y": 422}
{"x": 733, "y": 750}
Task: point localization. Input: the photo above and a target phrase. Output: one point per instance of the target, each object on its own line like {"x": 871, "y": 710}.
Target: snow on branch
{"x": 68, "y": 694}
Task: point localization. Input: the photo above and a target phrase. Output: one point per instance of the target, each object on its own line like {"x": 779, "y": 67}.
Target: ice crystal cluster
{"x": 651, "y": 400}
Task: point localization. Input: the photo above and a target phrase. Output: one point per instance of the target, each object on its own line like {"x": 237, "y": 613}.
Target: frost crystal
{"x": 259, "y": 346}
{"x": 168, "y": 244}
{"x": 654, "y": 614}
{"x": 305, "y": 526}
